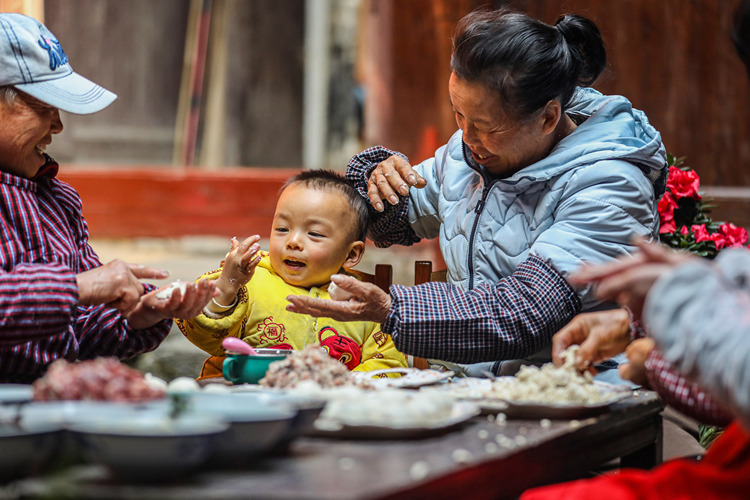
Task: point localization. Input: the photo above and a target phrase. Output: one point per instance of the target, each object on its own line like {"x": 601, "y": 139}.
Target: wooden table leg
{"x": 649, "y": 456}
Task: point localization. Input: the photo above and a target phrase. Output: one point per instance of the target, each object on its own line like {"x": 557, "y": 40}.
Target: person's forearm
{"x": 514, "y": 318}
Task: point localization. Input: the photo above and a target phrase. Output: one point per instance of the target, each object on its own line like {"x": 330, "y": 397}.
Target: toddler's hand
{"x": 239, "y": 267}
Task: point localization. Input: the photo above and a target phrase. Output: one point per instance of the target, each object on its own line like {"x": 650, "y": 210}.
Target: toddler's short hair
{"x": 334, "y": 181}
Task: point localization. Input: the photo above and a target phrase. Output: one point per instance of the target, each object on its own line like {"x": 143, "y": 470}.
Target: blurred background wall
{"x": 267, "y": 84}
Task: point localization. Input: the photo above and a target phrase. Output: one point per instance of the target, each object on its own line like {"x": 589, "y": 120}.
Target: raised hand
{"x": 391, "y": 178}
{"x": 239, "y": 267}
{"x": 368, "y": 302}
{"x": 628, "y": 280}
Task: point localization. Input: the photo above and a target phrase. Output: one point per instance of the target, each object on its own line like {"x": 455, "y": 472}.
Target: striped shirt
{"x": 44, "y": 245}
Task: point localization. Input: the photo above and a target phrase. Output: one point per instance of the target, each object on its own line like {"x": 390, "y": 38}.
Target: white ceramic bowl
{"x": 256, "y": 427}
{"x": 70, "y": 412}
{"x": 308, "y": 409}
{"x": 147, "y": 446}
{"x": 15, "y": 393}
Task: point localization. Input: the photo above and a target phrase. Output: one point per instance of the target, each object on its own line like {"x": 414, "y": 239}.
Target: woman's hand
{"x": 239, "y": 267}
{"x": 637, "y": 353}
{"x": 628, "y": 280}
{"x": 369, "y": 302}
{"x": 600, "y": 334}
{"x": 116, "y": 284}
{"x": 392, "y": 178}
{"x": 151, "y": 309}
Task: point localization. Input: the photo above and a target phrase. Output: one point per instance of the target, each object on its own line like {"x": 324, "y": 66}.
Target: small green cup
{"x": 246, "y": 369}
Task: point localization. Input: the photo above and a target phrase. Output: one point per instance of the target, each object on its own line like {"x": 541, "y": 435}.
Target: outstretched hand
{"x": 151, "y": 309}
{"x": 600, "y": 334}
{"x": 391, "y": 178}
{"x": 368, "y": 302}
{"x": 628, "y": 280}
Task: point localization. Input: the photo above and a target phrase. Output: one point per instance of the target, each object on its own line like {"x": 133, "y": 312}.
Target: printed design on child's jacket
{"x": 380, "y": 338}
{"x": 339, "y": 347}
{"x": 284, "y": 345}
{"x": 220, "y": 334}
{"x": 271, "y": 333}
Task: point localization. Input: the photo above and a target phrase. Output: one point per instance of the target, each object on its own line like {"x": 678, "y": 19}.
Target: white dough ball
{"x": 167, "y": 292}
{"x": 338, "y": 293}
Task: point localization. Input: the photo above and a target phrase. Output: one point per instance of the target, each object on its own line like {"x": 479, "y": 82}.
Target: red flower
{"x": 666, "y": 207}
{"x": 684, "y": 231}
{"x": 719, "y": 240}
{"x": 700, "y": 232}
{"x": 733, "y": 236}
{"x": 683, "y": 183}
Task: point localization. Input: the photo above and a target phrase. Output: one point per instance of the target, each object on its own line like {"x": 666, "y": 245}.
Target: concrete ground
{"x": 187, "y": 258}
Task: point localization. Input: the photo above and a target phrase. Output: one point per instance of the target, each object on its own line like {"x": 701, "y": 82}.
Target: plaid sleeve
{"x": 682, "y": 394}
{"x": 391, "y": 226}
{"x": 511, "y": 319}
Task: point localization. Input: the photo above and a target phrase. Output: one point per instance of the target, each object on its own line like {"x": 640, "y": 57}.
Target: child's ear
{"x": 356, "y": 250}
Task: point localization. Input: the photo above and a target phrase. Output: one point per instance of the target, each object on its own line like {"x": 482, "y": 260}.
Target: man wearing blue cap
{"x": 57, "y": 300}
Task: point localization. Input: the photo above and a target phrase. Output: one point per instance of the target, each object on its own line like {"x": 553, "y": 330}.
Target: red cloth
{"x": 724, "y": 473}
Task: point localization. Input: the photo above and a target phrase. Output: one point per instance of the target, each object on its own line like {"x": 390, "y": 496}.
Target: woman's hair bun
{"x": 585, "y": 41}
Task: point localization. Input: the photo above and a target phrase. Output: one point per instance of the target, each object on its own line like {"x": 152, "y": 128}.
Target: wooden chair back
{"x": 423, "y": 273}
{"x": 383, "y": 277}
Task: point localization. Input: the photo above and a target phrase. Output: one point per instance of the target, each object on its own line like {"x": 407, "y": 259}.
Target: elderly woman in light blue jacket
{"x": 542, "y": 176}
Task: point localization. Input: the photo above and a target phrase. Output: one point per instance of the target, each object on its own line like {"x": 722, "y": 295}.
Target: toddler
{"x": 319, "y": 228}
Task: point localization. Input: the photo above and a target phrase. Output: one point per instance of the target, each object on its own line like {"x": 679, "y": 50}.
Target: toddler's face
{"x": 311, "y": 235}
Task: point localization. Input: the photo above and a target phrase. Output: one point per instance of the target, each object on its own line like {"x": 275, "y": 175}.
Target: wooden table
{"x": 480, "y": 460}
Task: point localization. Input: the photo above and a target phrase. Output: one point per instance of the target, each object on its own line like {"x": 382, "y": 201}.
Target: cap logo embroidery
{"x": 57, "y": 56}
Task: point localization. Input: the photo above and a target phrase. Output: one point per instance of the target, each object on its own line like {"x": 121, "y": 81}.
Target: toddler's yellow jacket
{"x": 261, "y": 319}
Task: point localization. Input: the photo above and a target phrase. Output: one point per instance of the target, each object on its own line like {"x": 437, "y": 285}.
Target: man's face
{"x": 26, "y": 128}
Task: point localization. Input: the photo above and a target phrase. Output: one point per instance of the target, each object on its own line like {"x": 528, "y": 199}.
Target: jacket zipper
{"x": 478, "y": 211}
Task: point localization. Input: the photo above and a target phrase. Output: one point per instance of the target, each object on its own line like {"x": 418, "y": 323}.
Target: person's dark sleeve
{"x": 391, "y": 226}
{"x": 511, "y": 319}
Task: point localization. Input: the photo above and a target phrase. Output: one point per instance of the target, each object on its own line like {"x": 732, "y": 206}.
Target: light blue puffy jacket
{"x": 583, "y": 203}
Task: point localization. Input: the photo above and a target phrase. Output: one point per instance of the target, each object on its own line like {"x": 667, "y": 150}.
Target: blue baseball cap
{"x": 33, "y": 61}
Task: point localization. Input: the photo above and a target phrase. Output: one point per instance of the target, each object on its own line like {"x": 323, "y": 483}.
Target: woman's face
{"x": 26, "y": 128}
{"x": 498, "y": 143}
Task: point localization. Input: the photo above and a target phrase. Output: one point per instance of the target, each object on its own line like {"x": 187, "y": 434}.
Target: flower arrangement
{"x": 685, "y": 223}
